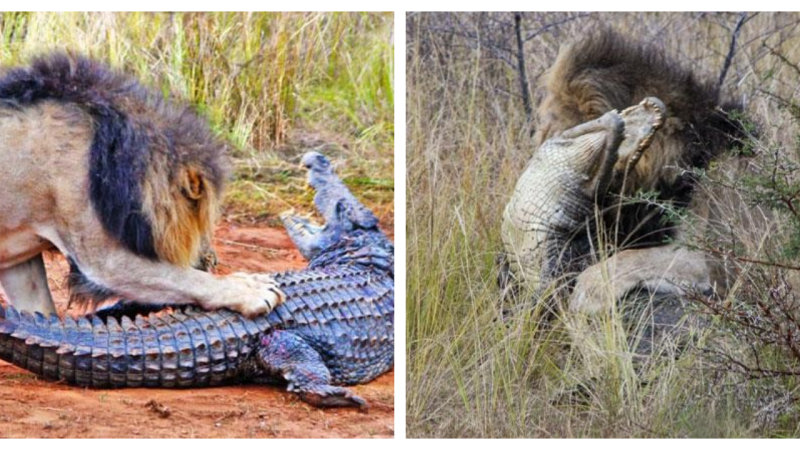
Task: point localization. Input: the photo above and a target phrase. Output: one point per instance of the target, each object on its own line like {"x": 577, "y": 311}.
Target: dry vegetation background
{"x": 471, "y": 373}
{"x": 276, "y": 85}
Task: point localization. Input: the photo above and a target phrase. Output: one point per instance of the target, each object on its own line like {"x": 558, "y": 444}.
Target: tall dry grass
{"x": 274, "y": 84}
{"x": 472, "y": 373}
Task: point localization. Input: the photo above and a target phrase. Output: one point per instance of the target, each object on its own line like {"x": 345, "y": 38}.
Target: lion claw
{"x": 255, "y": 294}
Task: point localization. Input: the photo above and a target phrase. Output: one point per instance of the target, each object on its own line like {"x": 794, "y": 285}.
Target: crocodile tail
{"x": 189, "y": 349}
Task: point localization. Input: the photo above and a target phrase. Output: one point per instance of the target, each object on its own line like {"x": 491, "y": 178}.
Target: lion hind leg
{"x": 26, "y": 286}
{"x": 665, "y": 270}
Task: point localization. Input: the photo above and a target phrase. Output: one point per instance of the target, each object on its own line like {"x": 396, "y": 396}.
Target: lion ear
{"x": 193, "y": 184}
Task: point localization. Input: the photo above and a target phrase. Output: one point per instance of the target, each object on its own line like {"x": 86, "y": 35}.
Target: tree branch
{"x": 731, "y": 52}
{"x": 549, "y": 26}
{"x": 523, "y": 77}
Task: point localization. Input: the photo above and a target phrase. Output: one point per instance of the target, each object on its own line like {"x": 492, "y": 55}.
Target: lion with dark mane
{"x": 126, "y": 184}
{"x": 604, "y": 72}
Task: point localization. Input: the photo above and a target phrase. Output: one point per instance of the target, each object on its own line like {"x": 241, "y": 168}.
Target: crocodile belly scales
{"x": 547, "y": 201}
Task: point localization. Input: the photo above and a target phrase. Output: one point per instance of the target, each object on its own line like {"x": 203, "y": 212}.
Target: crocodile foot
{"x": 300, "y": 225}
{"x": 325, "y": 396}
{"x": 286, "y": 355}
{"x": 305, "y": 235}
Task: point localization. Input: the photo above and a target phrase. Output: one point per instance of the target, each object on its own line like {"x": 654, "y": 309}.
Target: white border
{"x": 400, "y": 225}
{"x": 403, "y": 6}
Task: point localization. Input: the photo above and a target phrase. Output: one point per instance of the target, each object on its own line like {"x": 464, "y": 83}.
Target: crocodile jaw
{"x": 642, "y": 121}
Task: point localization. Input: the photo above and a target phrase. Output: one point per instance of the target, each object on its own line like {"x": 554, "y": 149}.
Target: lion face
{"x": 183, "y": 209}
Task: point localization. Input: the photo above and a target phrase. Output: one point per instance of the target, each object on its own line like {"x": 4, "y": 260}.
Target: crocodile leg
{"x": 286, "y": 355}
{"x": 302, "y": 232}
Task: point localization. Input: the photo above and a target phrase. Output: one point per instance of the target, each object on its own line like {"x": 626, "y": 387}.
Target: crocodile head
{"x": 586, "y": 153}
{"x": 346, "y": 219}
{"x": 333, "y": 200}
{"x": 607, "y": 147}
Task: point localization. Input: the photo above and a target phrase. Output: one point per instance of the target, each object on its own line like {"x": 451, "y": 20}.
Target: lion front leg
{"x": 250, "y": 294}
{"x": 153, "y": 282}
{"x": 664, "y": 270}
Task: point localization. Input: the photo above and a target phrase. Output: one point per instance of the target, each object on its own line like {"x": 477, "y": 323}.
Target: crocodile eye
{"x": 315, "y": 161}
{"x": 322, "y": 162}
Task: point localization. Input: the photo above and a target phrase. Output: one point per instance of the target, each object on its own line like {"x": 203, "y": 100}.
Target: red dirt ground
{"x": 30, "y": 407}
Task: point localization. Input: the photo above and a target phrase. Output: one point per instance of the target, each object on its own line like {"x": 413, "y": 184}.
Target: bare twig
{"x": 523, "y": 77}
{"x": 751, "y": 260}
{"x": 731, "y": 51}
{"x": 551, "y": 26}
{"x": 794, "y": 66}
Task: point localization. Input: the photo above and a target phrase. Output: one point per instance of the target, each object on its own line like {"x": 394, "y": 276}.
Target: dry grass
{"x": 472, "y": 374}
{"x": 275, "y": 85}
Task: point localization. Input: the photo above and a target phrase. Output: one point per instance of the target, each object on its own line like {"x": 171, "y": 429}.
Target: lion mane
{"x": 604, "y": 71}
{"x": 156, "y": 171}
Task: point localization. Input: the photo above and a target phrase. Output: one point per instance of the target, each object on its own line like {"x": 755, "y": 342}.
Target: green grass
{"x": 273, "y": 84}
{"x": 472, "y": 374}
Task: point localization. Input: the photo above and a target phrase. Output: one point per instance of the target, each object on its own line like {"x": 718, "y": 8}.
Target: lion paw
{"x": 255, "y": 294}
{"x": 591, "y": 292}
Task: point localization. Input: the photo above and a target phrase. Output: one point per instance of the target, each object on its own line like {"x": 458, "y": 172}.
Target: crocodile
{"x": 546, "y": 229}
{"x": 335, "y": 328}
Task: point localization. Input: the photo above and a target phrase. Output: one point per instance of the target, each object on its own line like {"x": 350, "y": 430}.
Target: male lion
{"x": 121, "y": 181}
{"x": 604, "y": 72}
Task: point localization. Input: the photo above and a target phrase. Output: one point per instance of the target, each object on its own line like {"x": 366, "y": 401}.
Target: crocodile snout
{"x": 316, "y": 162}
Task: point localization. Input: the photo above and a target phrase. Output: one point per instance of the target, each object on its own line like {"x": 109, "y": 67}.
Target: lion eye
{"x": 190, "y": 198}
